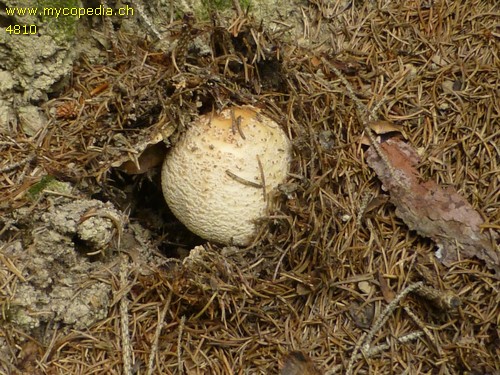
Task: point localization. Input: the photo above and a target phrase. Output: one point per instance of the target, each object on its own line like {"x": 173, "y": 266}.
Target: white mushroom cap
{"x": 212, "y": 181}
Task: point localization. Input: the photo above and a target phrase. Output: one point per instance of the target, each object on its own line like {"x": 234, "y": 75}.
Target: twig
{"x": 379, "y": 151}
{"x": 50, "y": 347}
{"x": 429, "y": 335}
{"x": 237, "y": 8}
{"x": 236, "y": 125}
{"x": 366, "y": 339}
{"x": 383, "y": 347}
{"x": 444, "y": 300}
{"x": 17, "y": 164}
{"x": 355, "y": 354}
{"x": 262, "y": 178}
{"x": 280, "y": 260}
{"x": 364, "y": 117}
{"x": 362, "y": 208}
{"x": 424, "y": 328}
{"x": 159, "y": 327}
{"x": 378, "y": 349}
{"x": 372, "y": 115}
{"x": 241, "y": 180}
{"x": 126, "y": 346}
{"x": 171, "y": 11}
{"x": 180, "y": 364}
{"x": 111, "y": 216}
{"x": 361, "y": 108}
{"x": 179, "y": 53}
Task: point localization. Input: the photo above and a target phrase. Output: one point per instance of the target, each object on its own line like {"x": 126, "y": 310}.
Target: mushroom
{"x": 218, "y": 177}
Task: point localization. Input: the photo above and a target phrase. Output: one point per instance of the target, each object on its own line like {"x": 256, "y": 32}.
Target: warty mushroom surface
{"x": 218, "y": 177}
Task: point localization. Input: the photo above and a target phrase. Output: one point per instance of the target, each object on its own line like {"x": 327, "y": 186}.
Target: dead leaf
{"x": 433, "y": 211}
{"x": 365, "y": 287}
{"x": 315, "y": 61}
{"x": 387, "y": 292}
{"x": 362, "y": 314}
{"x": 27, "y": 361}
{"x": 303, "y": 290}
{"x": 298, "y": 363}
{"x": 152, "y": 157}
{"x": 384, "y": 129}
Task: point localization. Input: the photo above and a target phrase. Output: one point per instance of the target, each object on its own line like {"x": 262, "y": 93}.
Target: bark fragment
{"x": 433, "y": 211}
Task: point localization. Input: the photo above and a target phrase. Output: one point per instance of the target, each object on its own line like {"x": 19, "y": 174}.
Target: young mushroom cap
{"x": 217, "y": 178}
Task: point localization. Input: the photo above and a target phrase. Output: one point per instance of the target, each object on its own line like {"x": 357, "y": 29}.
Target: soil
{"x": 98, "y": 276}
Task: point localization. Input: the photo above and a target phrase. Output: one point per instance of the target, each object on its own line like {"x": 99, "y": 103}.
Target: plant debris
{"x": 298, "y": 363}
{"x": 334, "y": 275}
{"x": 435, "y": 212}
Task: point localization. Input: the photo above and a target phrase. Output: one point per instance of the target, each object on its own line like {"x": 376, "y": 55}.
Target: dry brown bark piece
{"x": 433, "y": 211}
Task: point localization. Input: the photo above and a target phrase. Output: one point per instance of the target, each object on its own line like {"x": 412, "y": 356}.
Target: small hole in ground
{"x": 142, "y": 195}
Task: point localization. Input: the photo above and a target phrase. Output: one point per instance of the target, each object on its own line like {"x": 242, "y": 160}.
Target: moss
{"x": 222, "y": 5}
{"x": 37, "y": 188}
{"x": 62, "y": 28}
{"x": 50, "y": 183}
